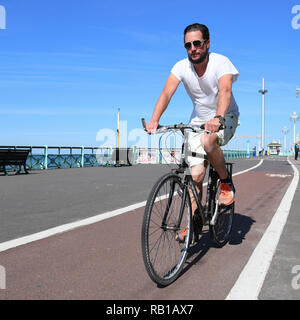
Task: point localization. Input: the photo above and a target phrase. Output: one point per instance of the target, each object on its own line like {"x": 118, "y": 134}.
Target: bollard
{"x": 45, "y": 157}
{"x": 82, "y": 157}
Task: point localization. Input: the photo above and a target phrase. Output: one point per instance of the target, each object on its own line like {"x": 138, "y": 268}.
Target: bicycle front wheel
{"x": 221, "y": 224}
{"x": 165, "y": 217}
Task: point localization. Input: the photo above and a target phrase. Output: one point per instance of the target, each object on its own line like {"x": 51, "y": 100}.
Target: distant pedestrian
{"x": 296, "y": 151}
{"x": 278, "y": 150}
{"x": 261, "y": 152}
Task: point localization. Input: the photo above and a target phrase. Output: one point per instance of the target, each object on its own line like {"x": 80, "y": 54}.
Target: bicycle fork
{"x": 164, "y": 224}
{"x": 212, "y": 207}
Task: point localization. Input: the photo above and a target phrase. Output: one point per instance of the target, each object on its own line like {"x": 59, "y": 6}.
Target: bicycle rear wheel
{"x": 163, "y": 255}
{"x": 221, "y": 224}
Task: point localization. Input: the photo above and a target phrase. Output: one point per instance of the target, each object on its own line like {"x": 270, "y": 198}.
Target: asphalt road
{"x": 46, "y": 199}
{"x": 104, "y": 260}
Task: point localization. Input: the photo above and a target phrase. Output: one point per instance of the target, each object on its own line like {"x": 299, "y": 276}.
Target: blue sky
{"x": 67, "y": 66}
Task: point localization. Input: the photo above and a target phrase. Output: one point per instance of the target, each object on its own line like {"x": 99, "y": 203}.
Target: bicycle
{"x": 168, "y": 213}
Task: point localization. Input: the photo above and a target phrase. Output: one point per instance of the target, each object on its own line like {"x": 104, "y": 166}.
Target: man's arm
{"x": 225, "y": 88}
{"x": 162, "y": 103}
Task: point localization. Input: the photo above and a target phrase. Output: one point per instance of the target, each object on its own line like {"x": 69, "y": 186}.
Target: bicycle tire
{"x": 220, "y": 226}
{"x": 163, "y": 255}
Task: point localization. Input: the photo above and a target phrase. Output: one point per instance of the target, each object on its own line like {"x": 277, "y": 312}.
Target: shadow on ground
{"x": 241, "y": 226}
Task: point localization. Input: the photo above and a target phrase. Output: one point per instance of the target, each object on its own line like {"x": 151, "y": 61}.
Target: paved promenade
{"x": 283, "y": 279}
{"x": 103, "y": 259}
{"x": 49, "y": 198}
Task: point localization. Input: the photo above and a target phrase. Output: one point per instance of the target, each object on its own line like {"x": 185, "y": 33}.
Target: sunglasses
{"x": 196, "y": 43}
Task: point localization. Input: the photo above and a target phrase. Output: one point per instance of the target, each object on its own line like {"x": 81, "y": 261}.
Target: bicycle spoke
{"x": 221, "y": 229}
{"x": 164, "y": 256}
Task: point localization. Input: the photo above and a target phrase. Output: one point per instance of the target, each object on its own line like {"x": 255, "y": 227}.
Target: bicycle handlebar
{"x": 180, "y": 126}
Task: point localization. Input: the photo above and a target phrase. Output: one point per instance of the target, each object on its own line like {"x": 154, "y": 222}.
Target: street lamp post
{"x": 294, "y": 117}
{"x": 285, "y": 131}
{"x": 118, "y": 142}
{"x": 263, "y": 92}
{"x": 297, "y": 92}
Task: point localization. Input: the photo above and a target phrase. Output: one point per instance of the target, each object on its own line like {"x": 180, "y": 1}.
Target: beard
{"x": 200, "y": 59}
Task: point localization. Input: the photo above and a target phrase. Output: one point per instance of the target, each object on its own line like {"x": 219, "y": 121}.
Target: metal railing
{"x": 55, "y": 157}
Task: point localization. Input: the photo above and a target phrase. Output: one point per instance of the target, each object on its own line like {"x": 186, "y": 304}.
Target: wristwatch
{"x": 221, "y": 119}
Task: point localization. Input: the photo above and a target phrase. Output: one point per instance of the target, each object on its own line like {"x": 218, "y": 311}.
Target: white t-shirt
{"x": 204, "y": 90}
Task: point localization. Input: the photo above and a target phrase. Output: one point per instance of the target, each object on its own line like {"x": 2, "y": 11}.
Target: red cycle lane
{"x": 104, "y": 260}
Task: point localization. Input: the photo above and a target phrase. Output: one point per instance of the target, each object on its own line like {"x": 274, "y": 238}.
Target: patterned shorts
{"x": 194, "y": 152}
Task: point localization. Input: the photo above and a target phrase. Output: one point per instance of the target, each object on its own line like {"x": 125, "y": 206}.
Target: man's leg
{"x": 215, "y": 154}
{"x": 198, "y": 175}
{"x": 197, "y": 165}
{"x": 216, "y": 158}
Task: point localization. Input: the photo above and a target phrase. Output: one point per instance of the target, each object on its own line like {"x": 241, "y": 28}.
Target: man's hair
{"x": 197, "y": 27}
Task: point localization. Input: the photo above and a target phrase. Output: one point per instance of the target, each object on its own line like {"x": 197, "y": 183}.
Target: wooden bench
{"x": 13, "y": 157}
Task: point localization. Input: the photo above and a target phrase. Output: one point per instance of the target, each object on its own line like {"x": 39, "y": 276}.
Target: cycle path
{"x": 104, "y": 260}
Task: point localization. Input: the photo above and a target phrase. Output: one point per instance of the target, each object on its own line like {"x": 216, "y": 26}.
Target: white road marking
{"x": 251, "y": 279}
{"x": 252, "y": 168}
{"x": 67, "y": 227}
{"x": 277, "y": 175}
{"x": 70, "y": 226}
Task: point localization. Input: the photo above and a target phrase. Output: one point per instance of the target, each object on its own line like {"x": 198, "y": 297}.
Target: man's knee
{"x": 198, "y": 174}
{"x": 198, "y": 179}
{"x": 210, "y": 142}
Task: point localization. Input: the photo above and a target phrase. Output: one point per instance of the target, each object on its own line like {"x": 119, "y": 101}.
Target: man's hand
{"x": 151, "y": 126}
{"x": 213, "y": 125}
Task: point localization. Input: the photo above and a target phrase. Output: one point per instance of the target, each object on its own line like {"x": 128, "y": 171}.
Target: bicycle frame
{"x": 206, "y": 211}
{"x": 171, "y": 228}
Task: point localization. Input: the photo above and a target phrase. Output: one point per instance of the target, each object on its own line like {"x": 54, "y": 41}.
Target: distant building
{"x": 274, "y": 147}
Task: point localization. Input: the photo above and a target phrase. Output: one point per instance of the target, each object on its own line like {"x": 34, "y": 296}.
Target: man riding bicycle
{"x": 208, "y": 79}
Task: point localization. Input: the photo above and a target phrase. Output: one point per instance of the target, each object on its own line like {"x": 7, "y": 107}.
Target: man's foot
{"x": 181, "y": 236}
{"x": 226, "y": 197}
{"x": 198, "y": 225}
